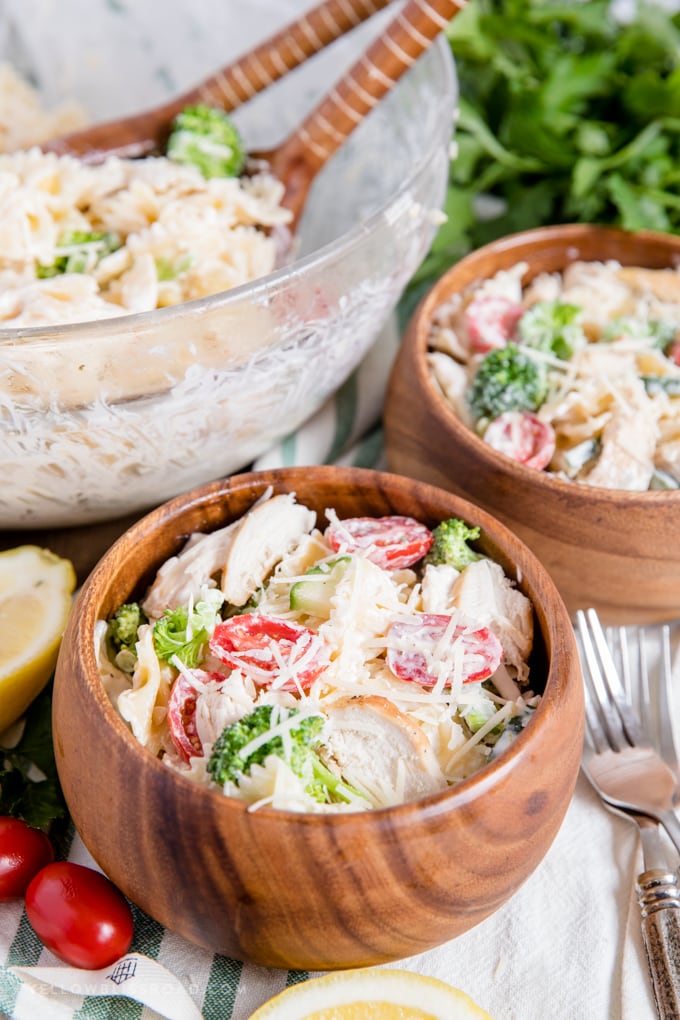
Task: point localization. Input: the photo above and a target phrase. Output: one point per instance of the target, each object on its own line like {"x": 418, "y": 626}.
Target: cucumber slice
{"x": 313, "y": 594}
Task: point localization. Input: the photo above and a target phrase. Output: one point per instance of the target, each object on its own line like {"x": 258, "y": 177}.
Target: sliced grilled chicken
{"x": 484, "y": 592}
{"x": 626, "y": 459}
{"x": 380, "y": 751}
{"x": 264, "y": 536}
{"x": 182, "y": 577}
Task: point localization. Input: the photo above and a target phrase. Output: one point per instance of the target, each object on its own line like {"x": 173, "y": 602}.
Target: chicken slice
{"x": 484, "y": 593}
{"x": 265, "y": 535}
{"x": 182, "y": 577}
{"x": 626, "y": 460}
{"x": 380, "y": 751}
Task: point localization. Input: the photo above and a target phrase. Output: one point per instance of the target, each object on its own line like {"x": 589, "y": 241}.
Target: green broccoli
{"x": 228, "y": 764}
{"x": 122, "y": 634}
{"x": 183, "y": 633}
{"x": 507, "y": 379}
{"x": 552, "y": 326}
{"x": 451, "y": 544}
{"x": 205, "y": 137}
{"x": 81, "y": 250}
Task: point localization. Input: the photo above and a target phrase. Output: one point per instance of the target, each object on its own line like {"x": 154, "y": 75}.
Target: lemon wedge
{"x": 35, "y": 600}
{"x": 371, "y": 994}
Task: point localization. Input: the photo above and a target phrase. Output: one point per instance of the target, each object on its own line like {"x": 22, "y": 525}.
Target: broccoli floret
{"x": 552, "y": 326}
{"x": 124, "y": 624}
{"x": 182, "y": 633}
{"x": 81, "y": 251}
{"x": 122, "y": 634}
{"x": 507, "y": 379}
{"x": 228, "y": 764}
{"x": 205, "y": 137}
{"x": 450, "y": 544}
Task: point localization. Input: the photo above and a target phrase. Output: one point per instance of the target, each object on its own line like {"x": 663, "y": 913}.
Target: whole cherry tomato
{"x": 391, "y": 542}
{"x": 433, "y": 647}
{"x": 79, "y": 915}
{"x": 23, "y": 852}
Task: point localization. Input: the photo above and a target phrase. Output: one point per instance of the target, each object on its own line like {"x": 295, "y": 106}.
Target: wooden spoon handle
{"x": 282, "y": 52}
{"x": 239, "y": 81}
{"x": 407, "y": 36}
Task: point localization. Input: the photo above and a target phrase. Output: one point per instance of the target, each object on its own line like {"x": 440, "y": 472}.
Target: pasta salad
{"x": 576, "y": 373}
{"x": 356, "y": 666}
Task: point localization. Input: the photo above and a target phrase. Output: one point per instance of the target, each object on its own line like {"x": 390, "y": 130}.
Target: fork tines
{"x": 609, "y": 717}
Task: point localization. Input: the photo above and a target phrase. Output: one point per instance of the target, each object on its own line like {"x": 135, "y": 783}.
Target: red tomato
{"x": 267, "y": 649}
{"x": 524, "y": 437}
{"x": 416, "y": 650}
{"x": 490, "y": 320}
{"x": 23, "y": 852}
{"x": 390, "y": 542}
{"x": 182, "y": 714}
{"x": 673, "y": 352}
{"x": 79, "y": 915}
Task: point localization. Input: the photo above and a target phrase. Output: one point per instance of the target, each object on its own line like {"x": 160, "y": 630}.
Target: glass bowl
{"x": 107, "y": 418}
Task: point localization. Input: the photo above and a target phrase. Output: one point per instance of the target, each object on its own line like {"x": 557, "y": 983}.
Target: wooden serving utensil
{"x": 301, "y": 156}
{"x": 146, "y": 133}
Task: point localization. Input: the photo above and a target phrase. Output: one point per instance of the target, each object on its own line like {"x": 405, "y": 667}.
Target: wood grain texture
{"x": 309, "y": 891}
{"x": 147, "y": 132}
{"x": 408, "y": 35}
{"x": 616, "y": 551}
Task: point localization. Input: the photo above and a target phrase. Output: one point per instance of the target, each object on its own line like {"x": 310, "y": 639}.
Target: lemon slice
{"x": 372, "y": 994}
{"x": 35, "y": 600}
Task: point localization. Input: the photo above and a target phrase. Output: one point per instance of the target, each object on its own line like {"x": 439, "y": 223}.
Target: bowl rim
{"x": 526, "y": 565}
{"x": 568, "y": 235}
{"x": 259, "y": 290}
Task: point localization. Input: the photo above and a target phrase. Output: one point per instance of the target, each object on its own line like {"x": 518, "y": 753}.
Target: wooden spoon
{"x": 146, "y": 133}
{"x": 301, "y": 156}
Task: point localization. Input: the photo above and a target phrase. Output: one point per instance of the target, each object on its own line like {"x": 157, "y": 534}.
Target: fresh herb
{"x": 183, "y": 632}
{"x": 566, "y": 114}
{"x": 29, "y": 784}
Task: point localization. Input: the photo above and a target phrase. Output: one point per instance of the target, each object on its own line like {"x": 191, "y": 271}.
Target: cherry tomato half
{"x": 267, "y": 650}
{"x": 420, "y": 651}
{"x": 390, "y": 542}
{"x": 182, "y": 714}
{"x": 522, "y": 436}
{"x": 79, "y": 915}
{"x": 490, "y": 320}
{"x": 23, "y": 852}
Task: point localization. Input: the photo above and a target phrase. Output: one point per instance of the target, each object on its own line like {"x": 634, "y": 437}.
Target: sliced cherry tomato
{"x": 23, "y": 852}
{"x": 182, "y": 713}
{"x": 522, "y": 436}
{"x": 79, "y": 915}
{"x": 490, "y": 320}
{"x": 271, "y": 652}
{"x": 673, "y": 352}
{"x": 431, "y": 645}
{"x": 390, "y": 542}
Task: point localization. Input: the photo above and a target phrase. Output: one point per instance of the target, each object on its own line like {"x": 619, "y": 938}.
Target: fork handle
{"x": 659, "y": 899}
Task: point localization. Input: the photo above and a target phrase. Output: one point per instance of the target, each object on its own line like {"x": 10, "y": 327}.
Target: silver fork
{"x": 622, "y": 764}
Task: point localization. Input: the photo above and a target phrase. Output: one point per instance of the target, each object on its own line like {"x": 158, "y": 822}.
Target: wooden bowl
{"x": 309, "y": 891}
{"x": 615, "y": 550}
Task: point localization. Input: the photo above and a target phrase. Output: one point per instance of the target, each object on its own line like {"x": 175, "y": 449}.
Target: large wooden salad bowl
{"x": 616, "y": 550}
{"x": 297, "y": 890}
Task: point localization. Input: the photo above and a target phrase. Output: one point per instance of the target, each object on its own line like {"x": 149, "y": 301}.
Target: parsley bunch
{"x": 566, "y": 115}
